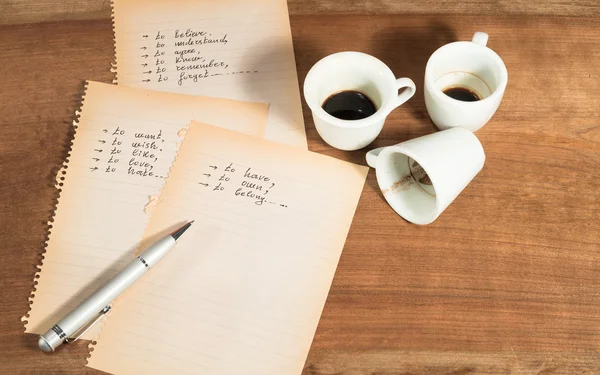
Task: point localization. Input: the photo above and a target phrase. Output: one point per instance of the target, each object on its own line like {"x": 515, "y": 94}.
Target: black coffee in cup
{"x": 464, "y": 94}
{"x": 349, "y": 105}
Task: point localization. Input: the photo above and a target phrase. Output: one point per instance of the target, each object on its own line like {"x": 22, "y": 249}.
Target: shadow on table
{"x": 406, "y": 51}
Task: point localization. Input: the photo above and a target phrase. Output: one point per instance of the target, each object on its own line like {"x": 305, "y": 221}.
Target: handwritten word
{"x": 259, "y": 199}
{"x": 199, "y": 42}
{"x": 118, "y": 131}
{"x": 148, "y": 145}
{"x": 202, "y": 65}
{"x": 194, "y": 77}
{"x": 148, "y": 136}
{"x": 140, "y": 172}
{"x": 137, "y": 163}
{"x": 252, "y": 185}
{"x": 143, "y": 154}
{"x": 189, "y": 33}
{"x": 255, "y": 176}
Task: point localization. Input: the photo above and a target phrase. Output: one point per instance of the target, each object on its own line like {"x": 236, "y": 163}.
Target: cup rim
{"x": 498, "y": 92}
{"x": 398, "y": 149}
{"x": 379, "y": 115}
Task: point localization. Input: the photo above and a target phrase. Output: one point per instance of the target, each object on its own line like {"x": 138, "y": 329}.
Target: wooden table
{"x": 505, "y": 281}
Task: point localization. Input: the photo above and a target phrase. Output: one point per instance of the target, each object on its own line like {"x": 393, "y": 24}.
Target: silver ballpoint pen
{"x": 78, "y": 321}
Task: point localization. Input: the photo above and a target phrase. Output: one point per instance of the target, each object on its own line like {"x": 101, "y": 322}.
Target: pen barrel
{"x": 158, "y": 250}
{"x": 106, "y": 294}
{"x": 102, "y": 297}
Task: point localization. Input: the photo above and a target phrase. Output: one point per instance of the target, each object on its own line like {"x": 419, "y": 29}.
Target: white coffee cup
{"x": 421, "y": 177}
{"x": 464, "y": 64}
{"x": 357, "y": 72}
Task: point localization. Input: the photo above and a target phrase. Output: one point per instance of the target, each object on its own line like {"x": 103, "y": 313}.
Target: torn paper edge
{"x": 60, "y": 178}
{"x": 113, "y": 64}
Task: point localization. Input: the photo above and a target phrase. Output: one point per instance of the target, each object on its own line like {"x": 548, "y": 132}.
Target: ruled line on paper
{"x": 240, "y": 285}
{"x": 246, "y": 54}
{"x": 118, "y": 157}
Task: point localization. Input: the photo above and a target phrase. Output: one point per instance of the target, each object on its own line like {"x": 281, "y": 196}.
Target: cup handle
{"x": 372, "y": 156}
{"x": 409, "y": 90}
{"x": 480, "y": 38}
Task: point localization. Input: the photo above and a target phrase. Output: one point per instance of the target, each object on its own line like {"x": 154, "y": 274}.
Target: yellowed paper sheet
{"x": 237, "y": 49}
{"x": 243, "y": 290}
{"x": 125, "y": 143}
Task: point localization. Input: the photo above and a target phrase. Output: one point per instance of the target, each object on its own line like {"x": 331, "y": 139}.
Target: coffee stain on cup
{"x": 402, "y": 184}
{"x": 416, "y": 176}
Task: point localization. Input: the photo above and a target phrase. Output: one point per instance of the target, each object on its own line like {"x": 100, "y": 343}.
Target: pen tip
{"x": 177, "y": 233}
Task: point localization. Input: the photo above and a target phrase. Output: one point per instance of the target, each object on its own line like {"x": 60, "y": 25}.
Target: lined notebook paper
{"x": 244, "y": 288}
{"x": 237, "y": 49}
{"x": 125, "y": 142}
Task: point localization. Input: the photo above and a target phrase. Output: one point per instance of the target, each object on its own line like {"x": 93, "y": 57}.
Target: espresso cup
{"x": 464, "y": 65}
{"x": 419, "y": 178}
{"x": 353, "y": 71}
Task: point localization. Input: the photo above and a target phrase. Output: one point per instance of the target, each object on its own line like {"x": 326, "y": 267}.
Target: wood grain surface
{"x": 506, "y": 281}
{"x": 30, "y": 11}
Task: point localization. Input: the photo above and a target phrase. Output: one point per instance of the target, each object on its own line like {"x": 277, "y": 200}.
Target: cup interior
{"x": 466, "y": 64}
{"x": 464, "y": 80}
{"x": 350, "y": 71}
{"x": 407, "y": 187}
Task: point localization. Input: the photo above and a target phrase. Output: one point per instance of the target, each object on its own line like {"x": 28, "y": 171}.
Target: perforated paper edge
{"x": 58, "y": 184}
{"x": 113, "y": 64}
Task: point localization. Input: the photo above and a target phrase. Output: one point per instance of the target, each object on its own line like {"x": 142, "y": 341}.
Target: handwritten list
{"x": 145, "y": 149}
{"x": 191, "y": 62}
{"x": 237, "y": 49}
{"x": 243, "y": 290}
{"x": 239, "y": 181}
{"x": 126, "y": 140}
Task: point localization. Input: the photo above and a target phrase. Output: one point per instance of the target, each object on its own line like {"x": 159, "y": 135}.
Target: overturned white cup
{"x": 353, "y": 71}
{"x": 421, "y": 177}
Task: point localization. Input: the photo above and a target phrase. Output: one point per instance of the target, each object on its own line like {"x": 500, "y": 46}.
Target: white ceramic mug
{"x": 464, "y": 64}
{"x": 357, "y": 72}
{"x": 421, "y": 177}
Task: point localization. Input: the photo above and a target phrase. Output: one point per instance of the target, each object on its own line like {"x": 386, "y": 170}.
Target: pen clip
{"x": 81, "y": 331}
